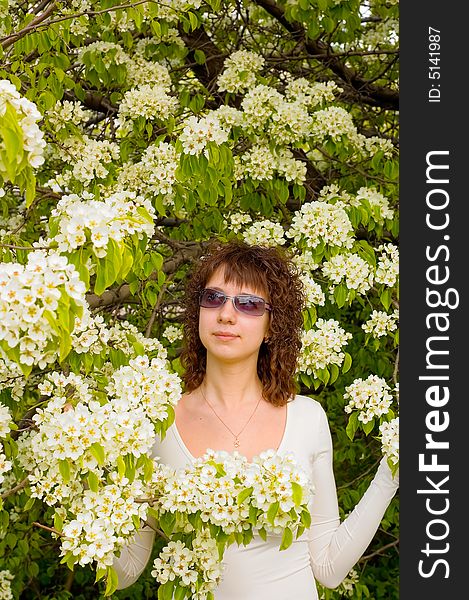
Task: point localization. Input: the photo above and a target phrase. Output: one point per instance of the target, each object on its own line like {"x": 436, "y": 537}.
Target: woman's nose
{"x": 227, "y": 312}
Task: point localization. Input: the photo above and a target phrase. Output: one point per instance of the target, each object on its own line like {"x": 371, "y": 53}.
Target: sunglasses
{"x": 244, "y": 303}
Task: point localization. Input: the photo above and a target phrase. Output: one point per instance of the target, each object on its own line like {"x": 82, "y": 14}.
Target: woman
{"x": 243, "y": 324}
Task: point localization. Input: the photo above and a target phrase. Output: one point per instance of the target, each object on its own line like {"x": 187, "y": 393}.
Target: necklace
{"x": 235, "y": 435}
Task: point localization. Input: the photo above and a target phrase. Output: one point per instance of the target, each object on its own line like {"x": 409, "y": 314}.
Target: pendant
{"x": 236, "y": 443}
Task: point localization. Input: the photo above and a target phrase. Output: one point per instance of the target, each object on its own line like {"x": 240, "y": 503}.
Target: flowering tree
{"x": 130, "y": 135}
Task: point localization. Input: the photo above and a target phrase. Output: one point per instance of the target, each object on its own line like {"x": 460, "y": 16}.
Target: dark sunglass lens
{"x": 211, "y": 299}
{"x": 251, "y": 305}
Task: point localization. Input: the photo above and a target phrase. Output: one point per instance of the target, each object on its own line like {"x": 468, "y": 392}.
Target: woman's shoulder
{"x": 305, "y": 406}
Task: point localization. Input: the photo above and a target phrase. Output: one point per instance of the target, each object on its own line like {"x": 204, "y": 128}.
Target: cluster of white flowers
{"x": 381, "y": 323}
{"x": 27, "y": 116}
{"x": 236, "y": 220}
{"x": 171, "y": 11}
{"x": 229, "y": 116}
{"x": 321, "y": 223}
{"x": 389, "y": 431}
{"x": 11, "y": 377}
{"x": 93, "y": 336}
{"x": 258, "y": 106}
{"x": 226, "y": 491}
{"x": 154, "y": 174}
{"x": 333, "y": 122}
{"x": 375, "y": 144}
{"x": 5, "y": 420}
{"x": 387, "y": 269}
{"x": 65, "y": 112}
{"x": 370, "y": 396}
{"x": 240, "y": 71}
{"x": 13, "y": 220}
{"x": 267, "y": 111}
{"x": 91, "y": 159}
{"x": 352, "y": 269}
{"x": 5, "y": 585}
{"x": 198, "y": 132}
{"x": 172, "y": 333}
{"x": 80, "y": 221}
{"x": 197, "y": 567}
{"x": 260, "y": 162}
{"x": 145, "y": 385}
{"x": 109, "y": 52}
{"x": 322, "y": 346}
{"x": 311, "y": 94}
{"x": 290, "y": 123}
{"x": 30, "y": 297}
{"x": 212, "y": 485}
{"x": 149, "y": 101}
{"x": 264, "y": 233}
{"x": 305, "y": 261}
{"x": 384, "y": 32}
{"x": 103, "y": 521}
{"x": 139, "y": 71}
{"x": 314, "y": 296}
{"x": 378, "y": 202}
{"x": 86, "y": 438}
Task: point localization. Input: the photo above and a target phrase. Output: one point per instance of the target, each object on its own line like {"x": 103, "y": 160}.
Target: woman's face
{"x": 227, "y": 334}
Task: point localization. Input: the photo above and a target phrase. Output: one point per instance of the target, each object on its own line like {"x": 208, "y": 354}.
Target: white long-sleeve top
{"x": 325, "y": 552}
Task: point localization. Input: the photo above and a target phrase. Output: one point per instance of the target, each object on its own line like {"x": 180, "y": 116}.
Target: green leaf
{"x": 347, "y": 362}
{"x": 167, "y": 522}
{"x": 305, "y": 518}
{"x": 64, "y": 468}
{"x": 352, "y": 425}
{"x": 98, "y": 452}
{"x": 242, "y": 496}
{"x": 272, "y": 512}
{"x": 287, "y": 538}
{"x": 297, "y": 493}
{"x": 93, "y": 481}
{"x": 58, "y": 522}
{"x": 368, "y": 427}
{"x": 112, "y": 581}
{"x": 120, "y": 466}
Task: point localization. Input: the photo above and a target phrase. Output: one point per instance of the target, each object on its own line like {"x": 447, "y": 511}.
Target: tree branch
{"x": 369, "y": 93}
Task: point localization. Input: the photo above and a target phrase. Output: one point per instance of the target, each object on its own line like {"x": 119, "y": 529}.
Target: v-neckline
{"x": 192, "y": 458}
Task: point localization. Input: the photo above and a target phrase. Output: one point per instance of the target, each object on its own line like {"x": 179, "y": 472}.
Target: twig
{"x": 380, "y": 551}
{"x": 51, "y": 529}
{"x": 15, "y": 489}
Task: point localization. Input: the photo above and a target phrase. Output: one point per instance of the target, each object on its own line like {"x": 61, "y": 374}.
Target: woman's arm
{"x": 134, "y": 558}
{"x": 336, "y": 546}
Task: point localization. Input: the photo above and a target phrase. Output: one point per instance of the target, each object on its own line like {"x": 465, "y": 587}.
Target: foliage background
{"x": 127, "y": 77}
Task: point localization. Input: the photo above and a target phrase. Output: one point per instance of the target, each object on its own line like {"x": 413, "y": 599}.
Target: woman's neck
{"x": 231, "y": 386}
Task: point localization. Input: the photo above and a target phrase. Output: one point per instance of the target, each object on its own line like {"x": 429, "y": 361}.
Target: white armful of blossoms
{"x": 222, "y": 499}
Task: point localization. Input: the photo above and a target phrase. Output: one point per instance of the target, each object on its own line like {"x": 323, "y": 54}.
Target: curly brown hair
{"x": 271, "y": 271}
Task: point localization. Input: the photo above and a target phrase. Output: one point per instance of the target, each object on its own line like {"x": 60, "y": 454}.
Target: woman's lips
{"x": 224, "y": 335}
